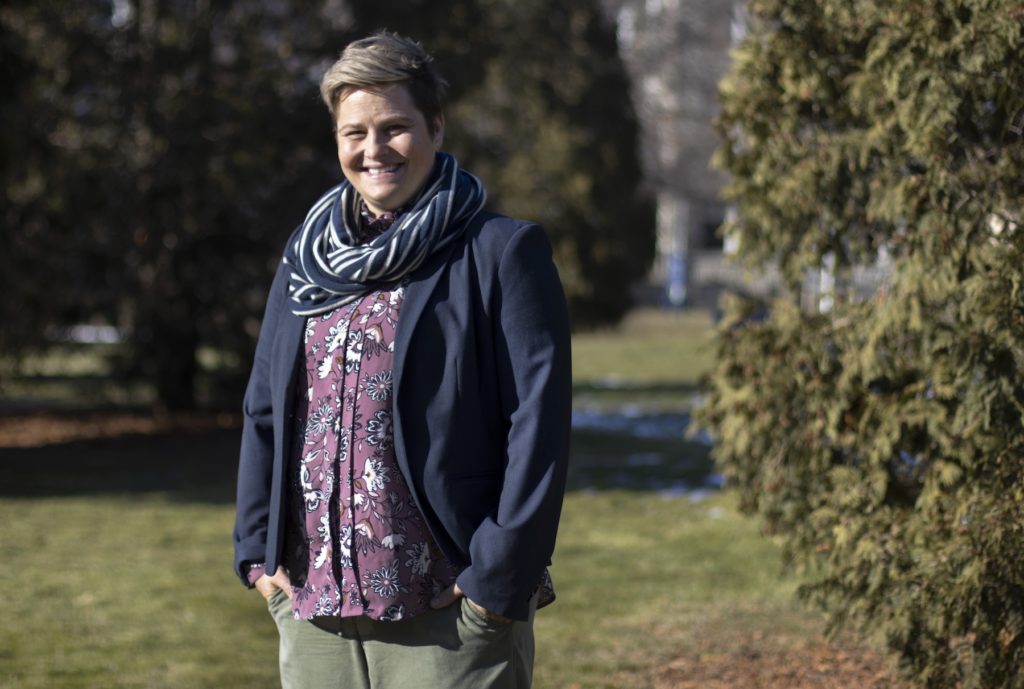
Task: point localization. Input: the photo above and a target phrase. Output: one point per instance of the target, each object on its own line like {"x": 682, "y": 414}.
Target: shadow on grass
{"x": 672, "y": 466}
{"x": 192, "y": 467}
{"x": 201, "y": 466}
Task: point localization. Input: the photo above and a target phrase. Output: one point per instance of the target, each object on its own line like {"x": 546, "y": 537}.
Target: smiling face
{"x": 385, "y": 147}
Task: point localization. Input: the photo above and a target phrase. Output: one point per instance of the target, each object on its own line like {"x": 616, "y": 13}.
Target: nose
{"x": 376, "y": 143}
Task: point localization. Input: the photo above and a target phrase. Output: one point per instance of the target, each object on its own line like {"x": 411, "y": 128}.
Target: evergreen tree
{"x": 159, "y": 153}
{"x": 542, "y": 113}
{"x": 883, "y": 440}
{"x": 162, "y": 152}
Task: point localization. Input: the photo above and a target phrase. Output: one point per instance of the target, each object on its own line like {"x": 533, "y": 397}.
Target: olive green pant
{"x": 457, "y": 647}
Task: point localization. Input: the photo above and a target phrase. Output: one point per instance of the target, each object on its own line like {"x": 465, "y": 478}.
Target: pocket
{"x": 274, "y": 603}
{"x": 482, "y": 619}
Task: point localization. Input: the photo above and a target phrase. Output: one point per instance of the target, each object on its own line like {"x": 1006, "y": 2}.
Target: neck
{"x": 372, "y": 225}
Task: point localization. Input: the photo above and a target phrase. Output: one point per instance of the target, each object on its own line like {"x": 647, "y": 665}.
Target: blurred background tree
{"x": 883, "y": 439}
{"x": 157, "y": 154}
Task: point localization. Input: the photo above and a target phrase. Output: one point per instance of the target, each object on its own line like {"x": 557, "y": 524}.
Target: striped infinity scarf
{"x": 330, "y": 268}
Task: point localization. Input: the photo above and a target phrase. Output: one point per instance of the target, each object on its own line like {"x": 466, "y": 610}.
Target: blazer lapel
{"x": 421, "y": 285}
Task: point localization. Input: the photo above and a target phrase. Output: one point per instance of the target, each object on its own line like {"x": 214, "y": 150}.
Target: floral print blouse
{"x": 356, "y": 542}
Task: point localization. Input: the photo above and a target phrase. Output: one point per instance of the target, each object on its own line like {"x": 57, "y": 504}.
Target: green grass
{"x": 642, "y": 578}
{"x": 653, "y": 360}
{"x": 116, "y": 554}
{"x": 650, "y": 347}
{"x": 118, "y": 591}
{"x": 122, "y": 591}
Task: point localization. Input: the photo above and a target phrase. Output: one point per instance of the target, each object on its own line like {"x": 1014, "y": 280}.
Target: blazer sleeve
{"x": 256, "y": 456}
{"x": 510, "y": 549}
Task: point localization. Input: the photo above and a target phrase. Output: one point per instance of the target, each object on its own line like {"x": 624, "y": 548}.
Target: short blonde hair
{"x": 381, "y": 59}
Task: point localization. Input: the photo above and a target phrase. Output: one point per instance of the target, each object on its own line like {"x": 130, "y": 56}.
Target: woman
{"x": 407, "y": 418}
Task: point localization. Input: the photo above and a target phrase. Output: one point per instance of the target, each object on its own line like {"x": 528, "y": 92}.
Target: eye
{"x": 352, "y": 134}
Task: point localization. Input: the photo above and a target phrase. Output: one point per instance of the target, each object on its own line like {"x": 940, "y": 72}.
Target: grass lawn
{"x": 116, "y": 552}
{"x": 643, "y": 578}
{"x": 648, "y": 347}
{"x": 135, "y": 591}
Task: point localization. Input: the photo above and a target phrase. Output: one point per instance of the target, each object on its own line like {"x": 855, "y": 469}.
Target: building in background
{"x": 676, "y": 52}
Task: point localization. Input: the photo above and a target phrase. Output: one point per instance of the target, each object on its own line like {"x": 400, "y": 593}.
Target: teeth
{"x": 374, "y": 171}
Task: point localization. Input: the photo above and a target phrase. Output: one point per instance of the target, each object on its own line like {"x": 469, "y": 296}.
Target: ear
{"x": 438, "y": 132}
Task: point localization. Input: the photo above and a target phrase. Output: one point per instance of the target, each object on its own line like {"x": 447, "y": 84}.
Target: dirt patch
{"x": 51, "y": 428}
{"x": 759, "y": 662}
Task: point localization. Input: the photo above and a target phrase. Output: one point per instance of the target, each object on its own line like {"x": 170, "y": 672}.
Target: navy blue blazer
{"x": 482, "y": 407}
